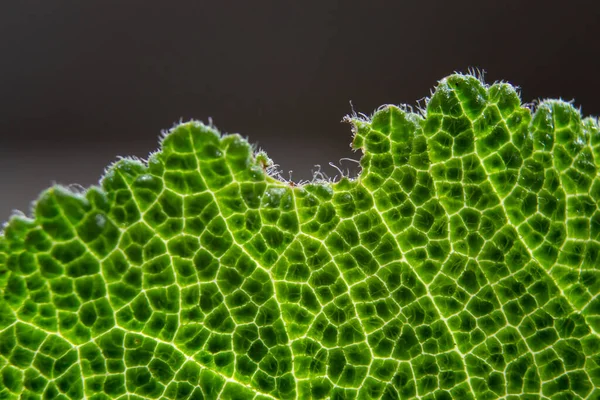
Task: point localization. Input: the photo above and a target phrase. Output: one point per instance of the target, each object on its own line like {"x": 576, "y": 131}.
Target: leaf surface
{"x": 463, "y": 262}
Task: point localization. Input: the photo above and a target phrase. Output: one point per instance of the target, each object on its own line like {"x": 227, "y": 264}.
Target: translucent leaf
{"x": 463, "y": 262}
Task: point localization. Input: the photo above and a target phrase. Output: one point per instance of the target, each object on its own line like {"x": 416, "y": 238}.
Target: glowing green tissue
{"x": 463, "y": 262}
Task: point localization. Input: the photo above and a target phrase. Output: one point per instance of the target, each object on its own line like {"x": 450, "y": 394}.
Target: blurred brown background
{"x": 83, "y": 82}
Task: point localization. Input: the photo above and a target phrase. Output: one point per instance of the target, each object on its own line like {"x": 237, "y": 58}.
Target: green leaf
{"x": 463, "y": 262}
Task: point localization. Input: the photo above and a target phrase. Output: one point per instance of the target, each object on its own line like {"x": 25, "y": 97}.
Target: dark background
{"x": 84, "y": 81}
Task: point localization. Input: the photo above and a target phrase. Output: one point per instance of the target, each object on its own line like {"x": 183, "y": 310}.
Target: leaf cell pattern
{"x": 463, "y": 262}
